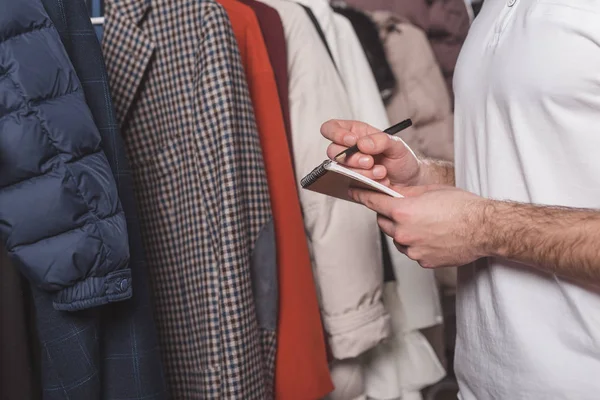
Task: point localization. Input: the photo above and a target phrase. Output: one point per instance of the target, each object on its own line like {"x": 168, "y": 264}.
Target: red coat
{"x": 301, "y": 369}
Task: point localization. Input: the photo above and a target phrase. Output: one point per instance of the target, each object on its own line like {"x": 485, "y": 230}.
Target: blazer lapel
{"x": 127, "y": 50}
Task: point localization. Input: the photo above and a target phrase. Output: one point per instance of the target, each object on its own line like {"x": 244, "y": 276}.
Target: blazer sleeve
{"x": 60, "y": 215}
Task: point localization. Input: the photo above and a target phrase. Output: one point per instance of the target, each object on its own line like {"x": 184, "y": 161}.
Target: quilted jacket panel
{"x": 60, "y": 215}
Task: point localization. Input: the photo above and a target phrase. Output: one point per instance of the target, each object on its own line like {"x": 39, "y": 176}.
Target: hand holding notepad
{"x": 333, "y": 179}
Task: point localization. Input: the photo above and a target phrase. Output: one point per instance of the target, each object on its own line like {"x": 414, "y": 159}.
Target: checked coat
{"x": 182, "y": 103}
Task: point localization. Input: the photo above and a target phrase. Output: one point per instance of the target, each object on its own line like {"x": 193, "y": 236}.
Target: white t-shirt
{"x": 527, "y": 128}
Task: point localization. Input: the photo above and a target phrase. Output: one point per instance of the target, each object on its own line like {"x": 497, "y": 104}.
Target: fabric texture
{"x": 420, "y": 92}
{"x": 323, "y": 19}
{"x": 347, "y": 376}
{"x": 358, "y": 78}
{"x": 406, "y": 363}
{"x": 525, "y": 131}
{"x": 109, "y": 352}
{"x": 18, "y": 376}
{"x": 187, "y": 120}
{"x": 368, "y": 35}
{"x": 60, "y": 215}
{"x": 269, "y": 123}
{"x": 301, "y": 349}
{"x": 346, "y": 251}
{"x": 319, "y": 30}
{"x": 367, "y": 105}
{"x": 445, "y": 22}
{"x": 352, "y": 62}
{"x": 398, "y": 368}
{"x": 274, "y": 38}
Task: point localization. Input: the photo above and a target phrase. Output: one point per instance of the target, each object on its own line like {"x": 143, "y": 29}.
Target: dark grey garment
{"x": 19, "y": 379}
{"x": 109, "y": 352}
{"x": 264, "y": 278}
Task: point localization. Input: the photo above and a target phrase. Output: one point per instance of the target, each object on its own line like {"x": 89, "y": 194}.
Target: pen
{"x": 392, "y": 130}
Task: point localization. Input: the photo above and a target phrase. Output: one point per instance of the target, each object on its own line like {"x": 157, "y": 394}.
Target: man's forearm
{"x": 559, "y": 240}
{"x": 436, "y": 172}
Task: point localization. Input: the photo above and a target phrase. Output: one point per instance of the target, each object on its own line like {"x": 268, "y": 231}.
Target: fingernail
{"x": 349, "y": 140}
{"x": 364, "y": 162}
{"x": 367, "y": 143}
{"x": 378, "y": 172}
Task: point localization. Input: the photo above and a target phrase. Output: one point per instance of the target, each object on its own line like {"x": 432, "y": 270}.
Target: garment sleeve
{"x": 60, "y": 215}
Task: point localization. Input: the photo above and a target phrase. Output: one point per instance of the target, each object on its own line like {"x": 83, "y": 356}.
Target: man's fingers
{"x": 402, "y": 248}
{"x": 339, "y": 133}
{"x": 371, "y": 141}
{"x": 386, "y": 225}
{"x": 346, "y": 132}
{"x": 412, "y": 191}
{"x": 382, "y": 143}
{"x": 334, "y": 149}
{"x": 385, "y": 182}
{"x": 377, "y": 173}
{"x": 380, "y": 203}
{"x": 357, "y": 127}
{"x": 359, "y": 162}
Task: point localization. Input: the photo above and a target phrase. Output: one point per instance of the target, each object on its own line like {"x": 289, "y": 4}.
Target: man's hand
{"x": 437, "y": 226}
{"x": 443, "y": 226}
{"x": 381, "y": 157}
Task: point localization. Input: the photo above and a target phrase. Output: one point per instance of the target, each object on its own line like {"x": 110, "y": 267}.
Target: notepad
{"x": 333, "y": 179}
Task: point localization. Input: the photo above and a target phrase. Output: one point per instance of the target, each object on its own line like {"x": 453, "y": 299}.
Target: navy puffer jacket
{"x": 60, "y": 215}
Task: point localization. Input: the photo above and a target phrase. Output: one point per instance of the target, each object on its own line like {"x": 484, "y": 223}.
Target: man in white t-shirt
{"x": 523, "y": 221}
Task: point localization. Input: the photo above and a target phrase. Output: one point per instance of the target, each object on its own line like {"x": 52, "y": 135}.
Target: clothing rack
{"x": 336, "y": 45}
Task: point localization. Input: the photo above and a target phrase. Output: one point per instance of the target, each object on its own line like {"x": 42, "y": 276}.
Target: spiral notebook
{"x": 333, "y": 179}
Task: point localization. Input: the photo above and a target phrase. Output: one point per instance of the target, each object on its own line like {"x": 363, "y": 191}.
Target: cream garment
{"x": 350, "y": 59}
{"x": 347, "y": 376}
{"x": 406, "y": 363}
{"x": 410, "y": 352}
{"x": 324, "y": 15}
{"x": 358, "y": 78}
{"x": 527, "y": 114}
{"x": 420, "y": 93}
{"x": 343, "y": 237}
{"x": 417, "y": 286}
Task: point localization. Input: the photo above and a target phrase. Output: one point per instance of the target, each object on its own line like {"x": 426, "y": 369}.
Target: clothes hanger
{"x": 97, "y": 20}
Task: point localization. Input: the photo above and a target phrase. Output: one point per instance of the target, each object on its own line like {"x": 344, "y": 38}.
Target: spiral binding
{"x": 315, "y": 174}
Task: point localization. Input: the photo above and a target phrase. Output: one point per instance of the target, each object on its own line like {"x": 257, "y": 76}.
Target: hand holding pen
{"x": 392, "y": 130}
{"x": 373, "y": 153}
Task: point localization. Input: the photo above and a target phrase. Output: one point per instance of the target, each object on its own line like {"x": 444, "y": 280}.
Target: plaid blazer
{"x": 187, "y": 120}
{"x": 109, "y": 352}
